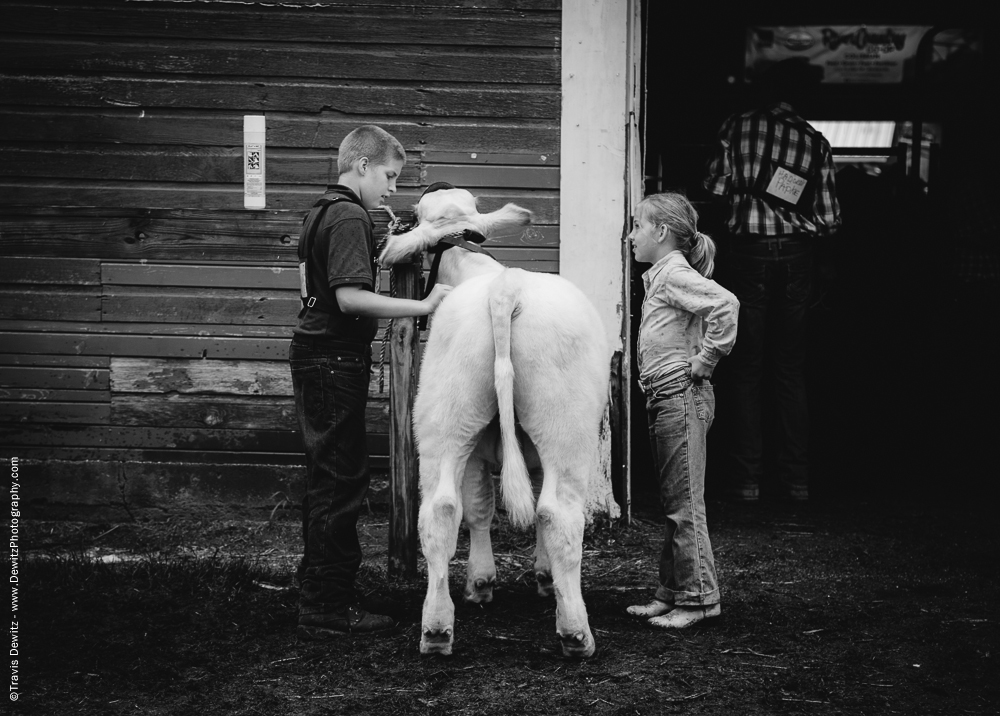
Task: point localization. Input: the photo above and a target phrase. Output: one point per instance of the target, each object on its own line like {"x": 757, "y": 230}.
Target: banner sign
{"x": 865, "y": 54}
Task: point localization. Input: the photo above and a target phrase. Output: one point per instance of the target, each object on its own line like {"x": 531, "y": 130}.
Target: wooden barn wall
{"x": 145, "y": 315}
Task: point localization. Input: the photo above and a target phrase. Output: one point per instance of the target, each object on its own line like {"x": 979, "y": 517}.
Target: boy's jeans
{"x": 680, "y": 415}
{"x": 331, "y": 393}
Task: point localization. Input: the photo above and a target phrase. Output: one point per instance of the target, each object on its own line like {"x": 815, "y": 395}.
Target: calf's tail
{"x": 515, "y": 485}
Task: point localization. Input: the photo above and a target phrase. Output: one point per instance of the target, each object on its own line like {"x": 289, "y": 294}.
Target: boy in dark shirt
{"x": 330, "y": 358}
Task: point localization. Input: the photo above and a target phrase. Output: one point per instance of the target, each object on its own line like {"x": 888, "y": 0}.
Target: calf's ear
{"x": 506, "y": 217}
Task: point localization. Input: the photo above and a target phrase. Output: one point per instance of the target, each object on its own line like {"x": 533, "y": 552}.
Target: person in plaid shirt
{"x": 774, "y": 175}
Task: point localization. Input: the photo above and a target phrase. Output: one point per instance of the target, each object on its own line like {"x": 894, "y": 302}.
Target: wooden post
{"x": 404, "y": 495}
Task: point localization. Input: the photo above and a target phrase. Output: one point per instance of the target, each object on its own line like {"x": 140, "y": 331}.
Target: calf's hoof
{"x": 577, "y": 646}
{"x": 480, "y": 591}
{"x": 436, "y": 641}
{"x": 545, "y": 588}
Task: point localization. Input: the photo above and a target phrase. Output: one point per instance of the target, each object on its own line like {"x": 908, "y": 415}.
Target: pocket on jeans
{"x": 704, "y": 402}
{"x": 308, "y": 380}
{"x": 349, "y": 366}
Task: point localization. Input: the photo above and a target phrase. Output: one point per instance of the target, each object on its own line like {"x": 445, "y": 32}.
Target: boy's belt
{"x": 329, "y": 344}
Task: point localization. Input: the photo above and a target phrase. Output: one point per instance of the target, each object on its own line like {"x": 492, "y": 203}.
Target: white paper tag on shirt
{"x": 302, "y": 280}
{"x": 787, "y": 186}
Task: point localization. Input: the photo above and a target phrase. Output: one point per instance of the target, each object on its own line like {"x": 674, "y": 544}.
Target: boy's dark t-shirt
{"x": 342, "y": 253}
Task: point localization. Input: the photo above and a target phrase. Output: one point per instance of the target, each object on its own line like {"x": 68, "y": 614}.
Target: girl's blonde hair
{"x": 674, "y": 210}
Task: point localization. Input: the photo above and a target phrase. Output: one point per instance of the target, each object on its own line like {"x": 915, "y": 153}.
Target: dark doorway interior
{"x": 903, "y": 380}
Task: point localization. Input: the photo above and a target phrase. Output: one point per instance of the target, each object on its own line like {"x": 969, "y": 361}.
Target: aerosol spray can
{"x": 253, "y": 161}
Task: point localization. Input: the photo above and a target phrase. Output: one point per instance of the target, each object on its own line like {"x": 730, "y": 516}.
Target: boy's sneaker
{"x": 333, "y": 625}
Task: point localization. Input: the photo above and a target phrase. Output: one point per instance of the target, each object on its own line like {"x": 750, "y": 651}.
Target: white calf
{"x": 504, "y": 341}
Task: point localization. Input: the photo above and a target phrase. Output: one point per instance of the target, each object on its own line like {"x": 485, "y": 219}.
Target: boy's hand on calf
{"x": 436, "y": 295}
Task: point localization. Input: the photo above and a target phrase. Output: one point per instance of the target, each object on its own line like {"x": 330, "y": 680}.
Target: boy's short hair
{"x": 368, "y": 141}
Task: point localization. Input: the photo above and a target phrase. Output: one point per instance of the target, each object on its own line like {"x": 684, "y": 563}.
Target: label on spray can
{"x": 253, "y": 162}
{"x": 254, "y": 179}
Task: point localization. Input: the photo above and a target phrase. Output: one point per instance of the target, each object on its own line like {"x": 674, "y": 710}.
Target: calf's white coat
{"x": 504, "y": 342}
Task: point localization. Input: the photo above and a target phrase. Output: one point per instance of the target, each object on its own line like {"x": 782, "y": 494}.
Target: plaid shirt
{"x": 737, "y": 172}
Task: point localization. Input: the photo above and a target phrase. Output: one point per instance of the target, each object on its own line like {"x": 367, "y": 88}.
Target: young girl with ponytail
{"x": 688, "y": 324}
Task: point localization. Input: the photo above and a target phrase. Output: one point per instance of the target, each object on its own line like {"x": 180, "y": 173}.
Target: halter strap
{"x": 466, "y": 239}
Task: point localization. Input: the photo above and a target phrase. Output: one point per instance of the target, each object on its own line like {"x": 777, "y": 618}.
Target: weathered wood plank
{"x": 155, "y": 329}
{"x": 263, "y": 237}
{"x": 516, "y": 159}
{"x": 37, "y": 270}
{"x": 272, "y": 278}
{"x": 274, "y": 59}
{"x": 52, "y": 303}
{"x": 534, "y": 236}
{"x": 13, "y": 435}
{"x": 189, "y": 377}
{"x": 146, "y": 345}
{"x": 54, "y": 377}
{"x": 543, "y": 203}
{"x": 248, "y": 277}
{"x": 404, "y": 498}
{"x": 249, "y": 378}
{"x": 539, "y": 266}
{"x": 430, "y": 99}
{"x": 169, "y": 247}
{"x": 378, "y": 446}
{"x": 173, "y": 164}
{"x": 52, "y": 412}
{"x": 280, "y": 226}
{"x": 200, "y": 411}
{"x": 415, "y": 24}
{"x": 320, "y": 130}
{"x": 58, "y": 396}
{"x": 472, "y": 176}
{"x": 197, "y": 411}
{"x": 65, "y": 361}
{"x": 553, "y": 5}
{"x": 188, "y": 305}
{"x": 140, "y": 483}
{"x": 190, "y": 236}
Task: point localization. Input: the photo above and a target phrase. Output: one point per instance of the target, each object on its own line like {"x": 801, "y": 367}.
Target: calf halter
{"x": 466, "y": 239}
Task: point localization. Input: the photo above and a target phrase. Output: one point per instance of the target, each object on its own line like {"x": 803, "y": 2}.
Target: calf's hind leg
{"x": 543, "y": 570}
{"x": 478, "y": 503}
{"x": 437, "y": 523}
{"x": 561, "y": 531}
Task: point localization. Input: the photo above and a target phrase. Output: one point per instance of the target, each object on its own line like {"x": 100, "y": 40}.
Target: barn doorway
{"x": 912, "y": 180}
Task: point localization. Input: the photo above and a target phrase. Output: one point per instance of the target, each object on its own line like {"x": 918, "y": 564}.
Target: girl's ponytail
{"x": 675, "y": 211}
{"x": 702, "y": 254}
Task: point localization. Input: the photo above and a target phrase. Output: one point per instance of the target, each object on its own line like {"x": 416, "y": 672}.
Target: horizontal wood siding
{"x": 144, "y": 314}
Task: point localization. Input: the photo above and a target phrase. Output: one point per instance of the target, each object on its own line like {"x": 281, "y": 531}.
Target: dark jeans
{"x": 331, "y": 392}
{"x": 773, "y": 285}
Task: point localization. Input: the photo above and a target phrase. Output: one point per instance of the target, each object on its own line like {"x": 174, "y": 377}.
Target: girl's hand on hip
{"x": 699, "y": 370}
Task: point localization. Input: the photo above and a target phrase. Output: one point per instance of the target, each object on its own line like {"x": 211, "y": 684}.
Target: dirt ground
{"x": 827, "y": 609}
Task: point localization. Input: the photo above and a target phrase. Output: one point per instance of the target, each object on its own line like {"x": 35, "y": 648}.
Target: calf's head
{"x": 448, "y": 211}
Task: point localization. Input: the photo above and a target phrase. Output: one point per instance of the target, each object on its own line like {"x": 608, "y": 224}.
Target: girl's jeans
{"x": 680, "y": 415}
